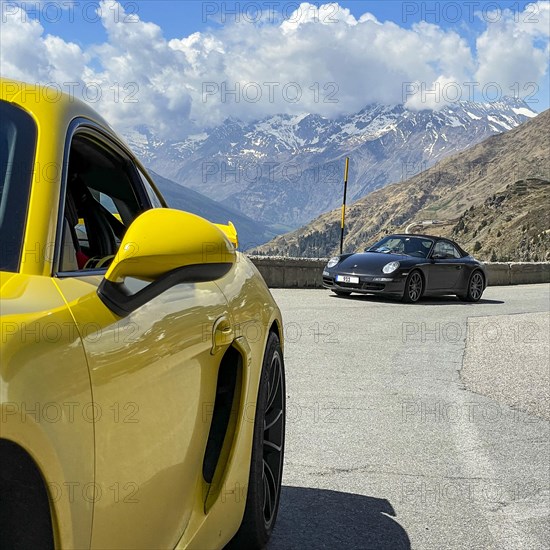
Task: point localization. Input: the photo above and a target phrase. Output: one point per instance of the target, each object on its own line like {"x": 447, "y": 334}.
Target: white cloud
{"x": 19, "y": 55}
{"x": 513, "y": 52}
{"x": 321, "y": 60}
{"x": 434, "y": 95}
{"x": 326, "y": 14}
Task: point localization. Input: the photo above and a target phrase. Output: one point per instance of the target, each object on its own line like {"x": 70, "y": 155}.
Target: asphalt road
{"x": 388, "y": 446}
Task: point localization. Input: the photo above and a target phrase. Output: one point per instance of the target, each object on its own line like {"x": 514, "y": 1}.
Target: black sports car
{"x": 409, "y": 267}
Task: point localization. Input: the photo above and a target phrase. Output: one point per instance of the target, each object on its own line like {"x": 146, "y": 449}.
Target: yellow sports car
{"x": 142, "y": 389}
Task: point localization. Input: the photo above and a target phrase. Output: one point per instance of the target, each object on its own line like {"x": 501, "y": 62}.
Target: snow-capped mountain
{"x": 289, "y": 169}
{"x": 500, "y": 213}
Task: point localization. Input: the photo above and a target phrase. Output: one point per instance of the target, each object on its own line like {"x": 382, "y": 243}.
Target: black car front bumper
{"x": 368, "y": 284}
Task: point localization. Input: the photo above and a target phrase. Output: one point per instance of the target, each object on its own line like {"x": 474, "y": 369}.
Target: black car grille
{"x": 373, "y": 286}
{"x": 369, "y": 285}
{"x": 348, "y": 285}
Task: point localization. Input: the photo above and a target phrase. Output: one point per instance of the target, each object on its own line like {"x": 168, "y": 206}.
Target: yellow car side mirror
{"x": 165, "y": 247}
{"x": 230, "y": 232}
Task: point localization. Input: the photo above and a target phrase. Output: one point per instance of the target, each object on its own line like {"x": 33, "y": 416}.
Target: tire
{"x": 414, "y": 287}
{"x": 266, "y": 467}
{"x": 25, "y": 518}
{"x": 342, "y": 292}
{"x": 475, "y": 287}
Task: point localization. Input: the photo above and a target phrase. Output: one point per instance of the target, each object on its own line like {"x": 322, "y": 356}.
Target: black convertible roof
{"x": 415, "y": 235}
{"x": 433, "y": 237}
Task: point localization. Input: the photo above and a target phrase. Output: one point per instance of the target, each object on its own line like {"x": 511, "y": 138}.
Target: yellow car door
{"x": 153, "y": 381}
{"x": 45, "y": 403}
{"x": 153, "y": 370}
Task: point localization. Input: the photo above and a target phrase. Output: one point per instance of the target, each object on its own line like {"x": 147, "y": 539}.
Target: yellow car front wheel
{"x": 266, "y": 470}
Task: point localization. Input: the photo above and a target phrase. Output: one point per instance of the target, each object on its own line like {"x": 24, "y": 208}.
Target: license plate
{"x": 347, "y": 279}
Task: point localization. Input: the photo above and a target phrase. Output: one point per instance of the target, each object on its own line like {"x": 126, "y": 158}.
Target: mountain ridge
{"x": 288, "y": 168}
{"x": 497, "y": 191}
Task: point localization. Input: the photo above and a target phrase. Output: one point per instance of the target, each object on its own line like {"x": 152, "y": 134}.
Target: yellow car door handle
{"x": 222, "y": 334}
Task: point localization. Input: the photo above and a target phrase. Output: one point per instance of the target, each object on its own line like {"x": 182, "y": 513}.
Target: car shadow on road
{"x": 446, "y": 301}
{"x": 320, "y": 518}
{"x": 427, "y": 301}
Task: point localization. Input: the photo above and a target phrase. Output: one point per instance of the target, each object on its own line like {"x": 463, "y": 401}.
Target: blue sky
{"x": 180, "y": 18}
{"x": 169, "y": 64}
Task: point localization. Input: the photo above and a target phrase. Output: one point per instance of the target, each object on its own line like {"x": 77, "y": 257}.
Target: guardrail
{"x": 281, "y": 272}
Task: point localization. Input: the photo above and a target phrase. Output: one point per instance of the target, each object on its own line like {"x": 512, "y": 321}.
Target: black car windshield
{"x": 17, "y": 146}
{"x": 403, "y": 244}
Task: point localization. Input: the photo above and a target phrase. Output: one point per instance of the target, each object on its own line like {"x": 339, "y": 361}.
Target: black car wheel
{"x": 266, "y": 468}
{"x": 475, "y": 287}
{"x": 414, "y": 287}
{"x": 342, "y": 292}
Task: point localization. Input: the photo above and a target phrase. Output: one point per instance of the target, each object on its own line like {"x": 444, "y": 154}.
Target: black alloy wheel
{"x": 266, "y": 468}
{"x": 475, "y": 287}
{"x": 414, "y": 287}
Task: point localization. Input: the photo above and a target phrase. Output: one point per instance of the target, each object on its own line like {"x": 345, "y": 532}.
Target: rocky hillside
{"x": 511, "y": 225}
{"x": 496, "y": 193}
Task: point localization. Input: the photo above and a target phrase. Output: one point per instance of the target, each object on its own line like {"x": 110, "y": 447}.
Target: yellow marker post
{"x": 344, "y": 206}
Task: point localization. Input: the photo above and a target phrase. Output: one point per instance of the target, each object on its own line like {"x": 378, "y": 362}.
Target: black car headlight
{"x": 391, "y": 267}
{"x": 332, "y": 262}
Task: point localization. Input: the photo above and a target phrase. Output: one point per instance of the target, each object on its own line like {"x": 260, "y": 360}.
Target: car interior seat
{"x": 71, "y": 246}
